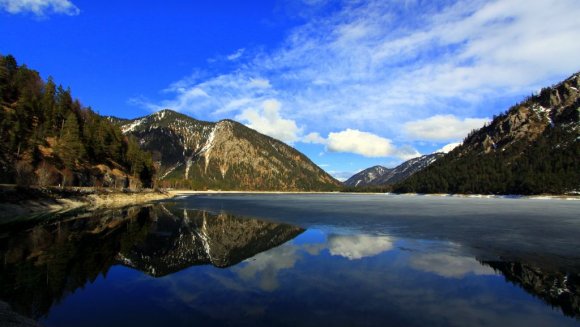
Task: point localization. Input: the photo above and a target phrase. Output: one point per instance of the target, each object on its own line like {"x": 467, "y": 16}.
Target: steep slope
{"x": 379, "y": 175}
{"x": 532, "y": 148}
{"x": 223, "y": 155}
{"x": 49, "y": 138}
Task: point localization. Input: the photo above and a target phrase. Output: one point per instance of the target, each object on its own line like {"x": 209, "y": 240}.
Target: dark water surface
{"x": 297, "y": 260}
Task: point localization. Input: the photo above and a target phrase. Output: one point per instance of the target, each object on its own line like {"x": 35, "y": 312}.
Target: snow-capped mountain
{"x": 379, "y": 175}
{"x": 222, "y": 155}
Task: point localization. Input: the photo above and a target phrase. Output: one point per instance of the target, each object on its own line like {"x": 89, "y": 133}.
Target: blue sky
{"x": 350, "y": 83}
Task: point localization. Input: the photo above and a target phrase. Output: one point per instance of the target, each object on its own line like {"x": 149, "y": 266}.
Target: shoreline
{"x": 475, "y": 196}
{"x": 19, "y": 203}
{"x": 40, "y": 201}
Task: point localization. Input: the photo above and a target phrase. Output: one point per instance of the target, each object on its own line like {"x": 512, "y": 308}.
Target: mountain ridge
{"x": 532, "y": 148}
{"x": 224, "y": 155}
{"x": 382, "y": 176}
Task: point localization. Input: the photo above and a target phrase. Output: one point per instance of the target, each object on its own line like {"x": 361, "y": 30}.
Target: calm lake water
{"x": 297, "y": 260}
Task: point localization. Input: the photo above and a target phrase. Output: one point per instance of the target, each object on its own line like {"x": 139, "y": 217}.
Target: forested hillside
{"x": 533, "y": 148}
{"x": 50, "y": 138}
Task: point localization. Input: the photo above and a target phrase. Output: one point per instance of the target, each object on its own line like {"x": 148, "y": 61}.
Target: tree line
{"x": 549, "y": 165}
{"x": 50, "y": 138}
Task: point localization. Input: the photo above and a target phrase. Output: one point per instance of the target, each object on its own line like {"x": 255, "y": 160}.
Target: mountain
{"x": 181, "y": 240}
{"x": 379, "y": 175}
{"x": 46, "y": 261}
{"x": 532, "y": 148}
{"x": 224, "y": 155}
{"x": 49, "y": 138}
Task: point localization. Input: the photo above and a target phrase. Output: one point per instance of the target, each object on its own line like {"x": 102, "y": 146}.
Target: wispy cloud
{"x": 442, "y": 127}
{"x": 236, "y": 55}
{"x": 448, "y": 265}
{"x": 387, "y": 67}
{"x": 39, "y": 7}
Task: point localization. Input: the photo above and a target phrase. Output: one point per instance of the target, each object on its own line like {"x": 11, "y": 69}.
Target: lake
{"x": 297, "y": 260}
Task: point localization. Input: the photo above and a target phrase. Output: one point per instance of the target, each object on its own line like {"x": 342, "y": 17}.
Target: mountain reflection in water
{"x": 45, "y": 263}
{"x": 167, "y": 264}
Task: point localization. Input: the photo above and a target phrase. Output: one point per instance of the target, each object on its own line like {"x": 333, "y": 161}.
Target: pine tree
{"x": 71, "y": 149}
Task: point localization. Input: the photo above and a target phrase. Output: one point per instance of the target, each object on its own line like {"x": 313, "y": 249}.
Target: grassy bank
{"x": 17, "y": 201}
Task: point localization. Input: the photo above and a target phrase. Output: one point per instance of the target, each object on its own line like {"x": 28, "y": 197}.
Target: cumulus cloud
{"x": 313, "y": 138}
{"x": 363, "y": 143}
{"x": 447, "y": 265}
{"x": 40, "y": 7}
{"x": 358, "y": 246}
{"x": 448, "y": 148}
{"x": 267, "y": 120}
{"x": 443, "y": 127}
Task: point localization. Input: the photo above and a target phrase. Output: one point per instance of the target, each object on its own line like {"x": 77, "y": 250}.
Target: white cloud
{"x": 40, "y": 7}
{"x": 442, "y": 127}
{"x": 267, "y": 120}
{"x": 448, "y": 148}
{"x": 260, "y": 83}
{"x": 407, "y": 152}
{"x": 313, "y": 138}
{"x": 236, "y": 55}
{"x": 358, "y": 246}
{"x": 264, "y": 267}
{"x": 447, "y": 265}
{"x": 363, "y": 143}
{"x": 379, "y": 66}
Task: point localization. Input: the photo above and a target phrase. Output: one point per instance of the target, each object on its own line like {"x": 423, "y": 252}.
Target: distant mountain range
{"x": 225, "y": 155}
{"x": 532, "y": 148}
{"x": 380, "y": 176}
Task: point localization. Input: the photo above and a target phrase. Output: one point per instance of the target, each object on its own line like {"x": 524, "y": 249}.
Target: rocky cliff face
{"x": 530, "y": 120}
{"x": 199, "y": 238}
{"x": 379, "y": 175}
{"x": 222, "y": 155}
{"x": 533, "y": 148}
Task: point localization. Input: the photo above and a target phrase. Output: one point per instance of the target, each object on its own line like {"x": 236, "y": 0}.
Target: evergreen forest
{"x": 49, "y": 138}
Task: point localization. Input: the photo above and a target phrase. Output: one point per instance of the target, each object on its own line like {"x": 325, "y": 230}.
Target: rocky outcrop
{"x": 529, "y": 120}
